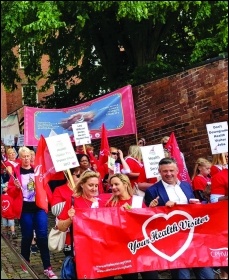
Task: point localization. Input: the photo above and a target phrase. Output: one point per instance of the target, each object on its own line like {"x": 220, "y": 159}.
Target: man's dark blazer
{"x": 158, "y": 189}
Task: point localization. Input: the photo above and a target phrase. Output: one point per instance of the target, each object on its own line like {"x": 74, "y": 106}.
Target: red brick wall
{"x": 182, "y": 103}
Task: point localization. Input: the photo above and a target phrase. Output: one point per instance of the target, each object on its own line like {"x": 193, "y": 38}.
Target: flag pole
{"x": 8, "y": 170}
{"x": 70, "y": 178}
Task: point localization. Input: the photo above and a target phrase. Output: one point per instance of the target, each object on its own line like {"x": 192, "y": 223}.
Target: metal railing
{"x": 32, "y": 273}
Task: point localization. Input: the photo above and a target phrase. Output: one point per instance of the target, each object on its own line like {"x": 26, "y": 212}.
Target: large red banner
{"x": 112, "y": 241}
{"x": 115, "y": 110}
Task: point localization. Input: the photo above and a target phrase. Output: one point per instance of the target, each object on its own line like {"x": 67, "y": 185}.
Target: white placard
{"x": 62, "y": 152}
{"x": 218, "y": 137}
{"x": 137, "y": 201}
{"x": 81, "y": 133}
{"x": 20, "y": 140}
{"x": 9, "y": 140}
{"x": 111, "y": 163}
{"x": 151, "y": 156}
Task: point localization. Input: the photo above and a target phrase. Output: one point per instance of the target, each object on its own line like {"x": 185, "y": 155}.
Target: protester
{"x": 141, "y": 142}
{"x": 85, "y": 194}
{"x": 22, "y": 189}
{"x": 137, "y": 172}
{"x": 169, "y": 191}
{"x": 201, "y": 180}
{"x": 60, "y": 195}
{"x": 7, "y": 213}
{"x": 85, "y": 164}
{"x": 219, "y": 162}
{"x": 33, "y": 154}
{"x": 219, "y": 192}
{"x": 164, "y": 141}
{"x": 219, "y": 186}
{"x": 12, "y": 160}
{"x": 120, "y": 165}
{"x": 122, "y": 194}
{"x": 4, "y": 174}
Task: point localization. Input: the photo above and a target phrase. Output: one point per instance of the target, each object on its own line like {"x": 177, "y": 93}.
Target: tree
{"x": 117, "y": 42}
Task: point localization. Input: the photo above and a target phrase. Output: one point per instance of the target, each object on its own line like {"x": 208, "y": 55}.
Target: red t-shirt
{"x": 215, "y": 169}
{"x": 135, "y": 167}
{"x": 80, "y": 202}
{"x": 122, "y": 202}
{"x": 220, "y": 183}
{"x": 199, "y": 182}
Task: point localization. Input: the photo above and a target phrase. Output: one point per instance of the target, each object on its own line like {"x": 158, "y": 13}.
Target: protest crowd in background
{"x": 208, "y": 183}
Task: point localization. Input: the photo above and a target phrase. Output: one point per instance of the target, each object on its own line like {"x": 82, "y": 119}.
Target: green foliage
{"x": 118, "y": 42}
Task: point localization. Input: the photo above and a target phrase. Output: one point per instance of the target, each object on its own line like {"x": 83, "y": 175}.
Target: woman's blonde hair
{"x": 10, "y": 150}
{"x": 200, "y": 162}
{"x": 135, "y": 152}
{"x": 126, "y": 181}
{"x": 77, "y": 189}
{"x": 218, "y": 159}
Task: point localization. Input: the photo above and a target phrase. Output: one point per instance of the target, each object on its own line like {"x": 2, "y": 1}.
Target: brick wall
{"x": 182, "y": 103}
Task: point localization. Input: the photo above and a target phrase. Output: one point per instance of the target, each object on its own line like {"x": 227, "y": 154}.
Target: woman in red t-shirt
{"x": 201, "y": 179}
{"x": 85, "y": 194}
{"x": 122, "y": 195}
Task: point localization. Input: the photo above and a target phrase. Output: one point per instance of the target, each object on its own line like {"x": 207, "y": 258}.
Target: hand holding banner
{"x": 144, "y": 237}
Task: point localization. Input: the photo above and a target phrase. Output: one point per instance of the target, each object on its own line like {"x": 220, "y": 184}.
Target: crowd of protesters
{"x": 111, "y": 184}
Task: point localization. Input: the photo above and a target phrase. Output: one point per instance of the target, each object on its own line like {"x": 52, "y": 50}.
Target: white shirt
{"x": 175, "y": 193}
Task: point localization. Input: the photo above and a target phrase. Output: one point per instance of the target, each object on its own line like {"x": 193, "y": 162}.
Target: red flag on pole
{"x": 175, "y": 153}
{"x": 104, "y": 148}
{"x": 43, "y": 171}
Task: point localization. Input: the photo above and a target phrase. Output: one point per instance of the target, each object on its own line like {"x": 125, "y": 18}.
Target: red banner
{"x": 115, "y": 110}
{"x": 111, "y": 241}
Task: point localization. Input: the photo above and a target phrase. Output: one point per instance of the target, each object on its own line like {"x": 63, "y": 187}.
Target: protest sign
{"x": 20, "y": 140}
{"x": 62, "y": 152}
{"x": 218, "y": 137}
{"x": 81, "y": 133}
{"x": 151, "y": 156}
{"x": 120, "y": 241}
{"x": 9, "y": 139}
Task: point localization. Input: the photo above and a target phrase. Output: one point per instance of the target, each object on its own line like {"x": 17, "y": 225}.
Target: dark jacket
{"x": 158, "y": 189}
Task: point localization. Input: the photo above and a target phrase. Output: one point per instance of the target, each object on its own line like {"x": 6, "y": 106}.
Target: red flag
{"x": 43, "y": 171}
{"x": 175, "y": 153}
{"x": 104, "y": 149}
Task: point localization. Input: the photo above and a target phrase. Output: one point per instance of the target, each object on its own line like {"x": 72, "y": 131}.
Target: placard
{"x": 9, "y": 140}
{"x": 81, "y": 133}
{"x": 218, "y": 137}
{"x": 62, "y": 152}
{"x": 20, "y": 140}
{"x": 151, "y": 156}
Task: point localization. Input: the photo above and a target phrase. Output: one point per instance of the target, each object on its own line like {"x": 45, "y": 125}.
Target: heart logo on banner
{"x": 5, "y": 205}
{"x": 165, "y": 216}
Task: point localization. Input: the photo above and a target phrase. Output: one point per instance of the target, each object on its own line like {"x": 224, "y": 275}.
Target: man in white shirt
{"x": 169, "y": 191}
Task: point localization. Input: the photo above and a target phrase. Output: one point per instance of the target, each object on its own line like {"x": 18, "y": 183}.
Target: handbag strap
{"x": 71, "y": 227}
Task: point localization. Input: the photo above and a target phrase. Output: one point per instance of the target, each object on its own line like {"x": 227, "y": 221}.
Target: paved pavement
{"x": 3, "y": 275}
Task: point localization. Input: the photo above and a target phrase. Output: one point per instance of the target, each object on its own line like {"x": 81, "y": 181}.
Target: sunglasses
{"x": 114, "y": 153}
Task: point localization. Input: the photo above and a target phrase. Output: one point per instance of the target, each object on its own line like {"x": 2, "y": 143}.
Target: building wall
{"x": 182, "y": 103}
